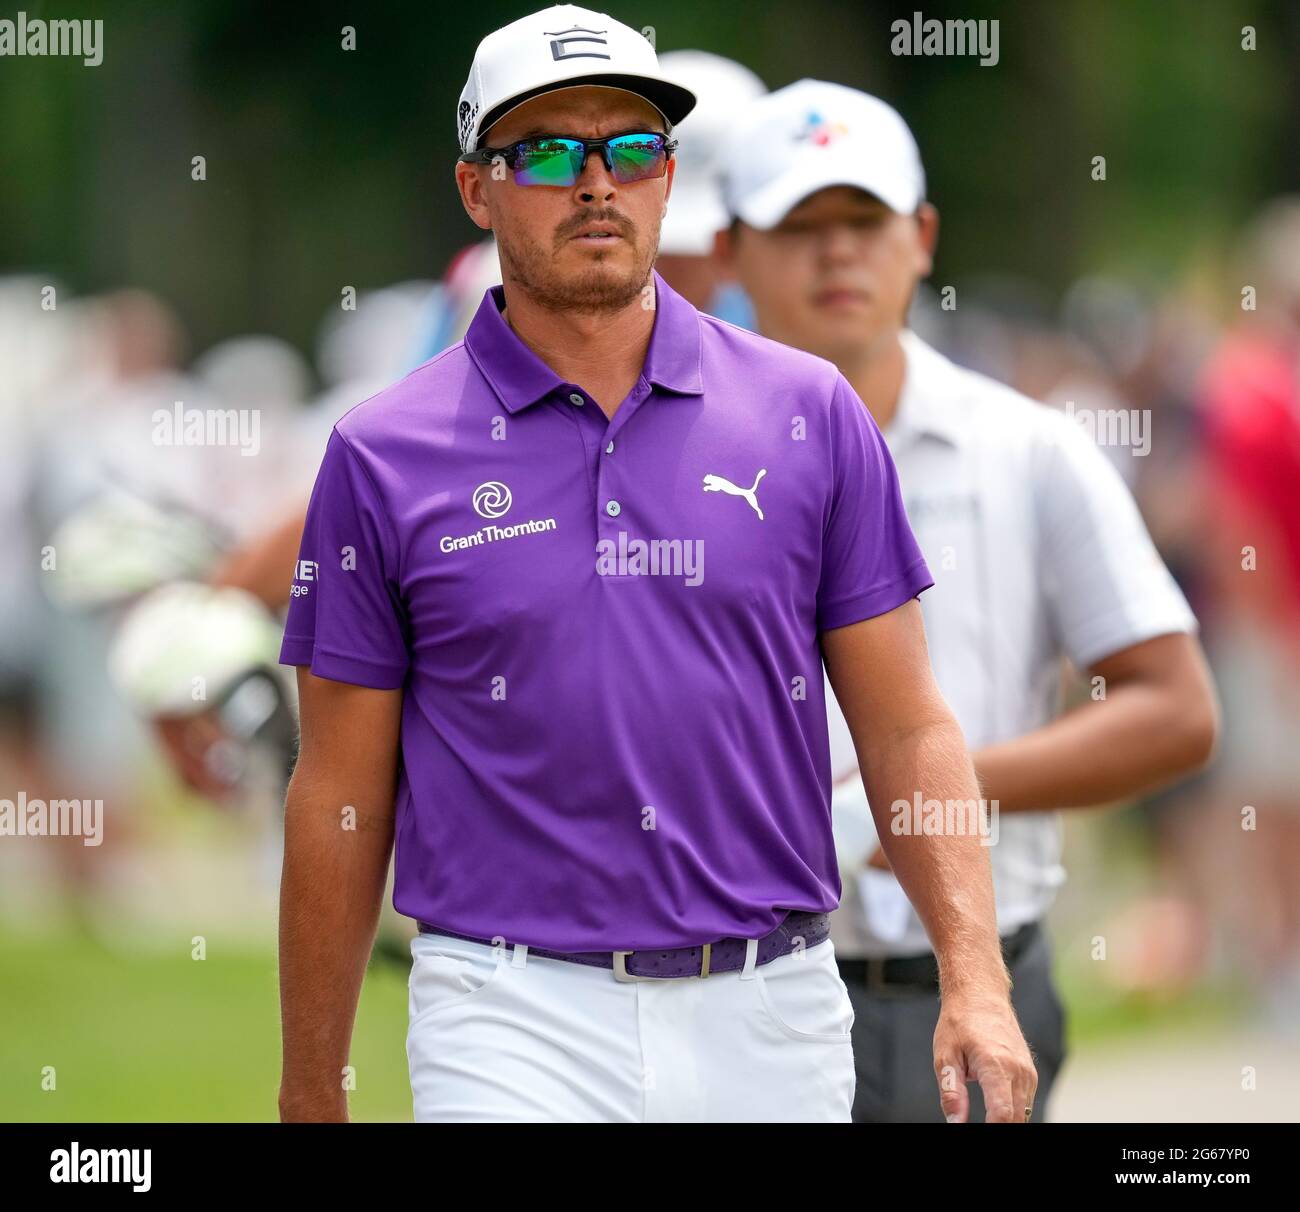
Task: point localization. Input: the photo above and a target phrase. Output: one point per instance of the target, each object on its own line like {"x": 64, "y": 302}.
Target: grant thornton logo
{"x": 492, "y": 500}
{"x": 25, "y": 35}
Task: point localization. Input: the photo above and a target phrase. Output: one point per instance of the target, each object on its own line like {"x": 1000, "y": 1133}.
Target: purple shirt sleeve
{"x": 871, "y": 562}
{"x": 346, "y": 619}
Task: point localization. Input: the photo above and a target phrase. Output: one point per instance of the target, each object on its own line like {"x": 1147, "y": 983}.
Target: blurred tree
{"x": 329, "y": 167}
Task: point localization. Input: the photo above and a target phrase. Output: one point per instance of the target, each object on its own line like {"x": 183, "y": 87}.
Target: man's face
{"x": 539, "y": 228}
{"x": 837, "y": 274}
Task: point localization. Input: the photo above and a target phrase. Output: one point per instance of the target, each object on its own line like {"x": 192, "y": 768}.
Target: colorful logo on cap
{"x": 820, "y": 131}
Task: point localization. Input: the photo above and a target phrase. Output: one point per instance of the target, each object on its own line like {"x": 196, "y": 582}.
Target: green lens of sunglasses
{"x": 636, "y": 157}
{"x": 558, "y": 161}
{"x": 549, "y": 162}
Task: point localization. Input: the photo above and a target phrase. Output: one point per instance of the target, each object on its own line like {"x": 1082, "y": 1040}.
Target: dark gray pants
{"x": 893, "y": 1044}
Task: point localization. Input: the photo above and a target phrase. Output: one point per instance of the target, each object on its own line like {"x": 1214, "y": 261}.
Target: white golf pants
{"x": 498, "y": 1035}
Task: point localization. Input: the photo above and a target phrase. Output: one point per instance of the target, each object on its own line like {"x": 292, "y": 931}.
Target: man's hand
{"x": 190, "y": 741}
{"x": 908, "y": 744}
{"x": 980, "y": 1040}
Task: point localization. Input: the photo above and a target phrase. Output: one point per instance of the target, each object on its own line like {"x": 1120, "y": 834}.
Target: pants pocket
{"x": 804, "y": 997}
{"x": 446, "y": 975}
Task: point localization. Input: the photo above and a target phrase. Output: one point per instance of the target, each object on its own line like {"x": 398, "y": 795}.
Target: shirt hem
{"x": 338, "y": 667}
{"x": 877, "y": 601}
{"x": 1115, "y": 633}
{"x": 586, "y": 948}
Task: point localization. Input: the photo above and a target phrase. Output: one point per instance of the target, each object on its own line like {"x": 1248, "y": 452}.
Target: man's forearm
{"x": 1151, "y": 727}
{"x": 946, "y": 875}
{"x": 1056, "y": 766}
{"x": 330, "y": 897}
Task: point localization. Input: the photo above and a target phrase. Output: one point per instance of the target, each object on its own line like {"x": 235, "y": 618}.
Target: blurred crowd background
{"x": 1169, "y": 290}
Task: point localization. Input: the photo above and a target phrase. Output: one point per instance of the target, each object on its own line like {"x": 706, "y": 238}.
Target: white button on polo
{"x": 613, "y": 508}
{"x": 575, "y": 398}
{"x": 609, "y": 449}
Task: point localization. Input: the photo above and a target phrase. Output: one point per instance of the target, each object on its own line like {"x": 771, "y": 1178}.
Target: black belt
{"x": 922, "y": 971}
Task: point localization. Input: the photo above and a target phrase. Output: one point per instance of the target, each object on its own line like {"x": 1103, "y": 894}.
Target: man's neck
{"x": 877, "y": 377}
{"x": 602, "y": 352}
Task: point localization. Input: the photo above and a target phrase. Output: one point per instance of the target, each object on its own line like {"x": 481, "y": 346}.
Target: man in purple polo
{"x": 560, "y": 613}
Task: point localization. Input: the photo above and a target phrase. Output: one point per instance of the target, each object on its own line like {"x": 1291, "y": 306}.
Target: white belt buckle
{"x": 622, "y": 974}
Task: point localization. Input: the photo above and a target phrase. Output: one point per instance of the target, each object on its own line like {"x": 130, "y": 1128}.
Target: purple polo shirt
{"x": 614, "y": 731}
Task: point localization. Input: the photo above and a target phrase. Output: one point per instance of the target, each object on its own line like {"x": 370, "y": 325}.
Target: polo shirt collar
{"x": 520, "y": 378}
{"x": 931, "y": 402}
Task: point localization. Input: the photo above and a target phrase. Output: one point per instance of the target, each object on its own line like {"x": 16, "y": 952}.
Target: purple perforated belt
{"x": 799, "y": 930}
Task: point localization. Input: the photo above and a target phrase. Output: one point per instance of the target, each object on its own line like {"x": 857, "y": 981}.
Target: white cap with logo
{"x": 813, "y": 134}
{"x": 561, "y": 47}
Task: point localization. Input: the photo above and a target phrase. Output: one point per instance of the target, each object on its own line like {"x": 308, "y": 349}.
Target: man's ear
{"x": 927, "y": 221}
{"x": 473, "y": 193}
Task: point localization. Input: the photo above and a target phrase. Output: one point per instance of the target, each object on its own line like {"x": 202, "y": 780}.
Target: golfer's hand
{"x": 190, "y": 742}
{"x": 978, "y": 1039}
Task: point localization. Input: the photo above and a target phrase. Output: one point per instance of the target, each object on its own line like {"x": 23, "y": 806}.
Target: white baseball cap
{"x": 723, "y": 89}
{"x": 561, "y": 47}
{"x": 813, "y": 134}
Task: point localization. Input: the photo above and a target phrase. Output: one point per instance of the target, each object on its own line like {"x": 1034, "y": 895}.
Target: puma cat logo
{"x": 722, "y": 484}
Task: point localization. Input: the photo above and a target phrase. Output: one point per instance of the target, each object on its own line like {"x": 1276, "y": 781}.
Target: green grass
{"x": 139, "y": 1035}
{"x": 148, "y": 1035}
{"x": 1098, "y": 1015}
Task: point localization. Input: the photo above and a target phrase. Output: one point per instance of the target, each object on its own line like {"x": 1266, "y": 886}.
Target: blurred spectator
{"x": 1251, "y": 400}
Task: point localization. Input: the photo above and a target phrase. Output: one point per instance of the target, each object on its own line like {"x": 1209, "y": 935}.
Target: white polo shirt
{"x": 1038, "y": 552}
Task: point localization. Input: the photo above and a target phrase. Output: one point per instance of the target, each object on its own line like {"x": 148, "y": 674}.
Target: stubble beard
{"x": 596, "y": 290}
